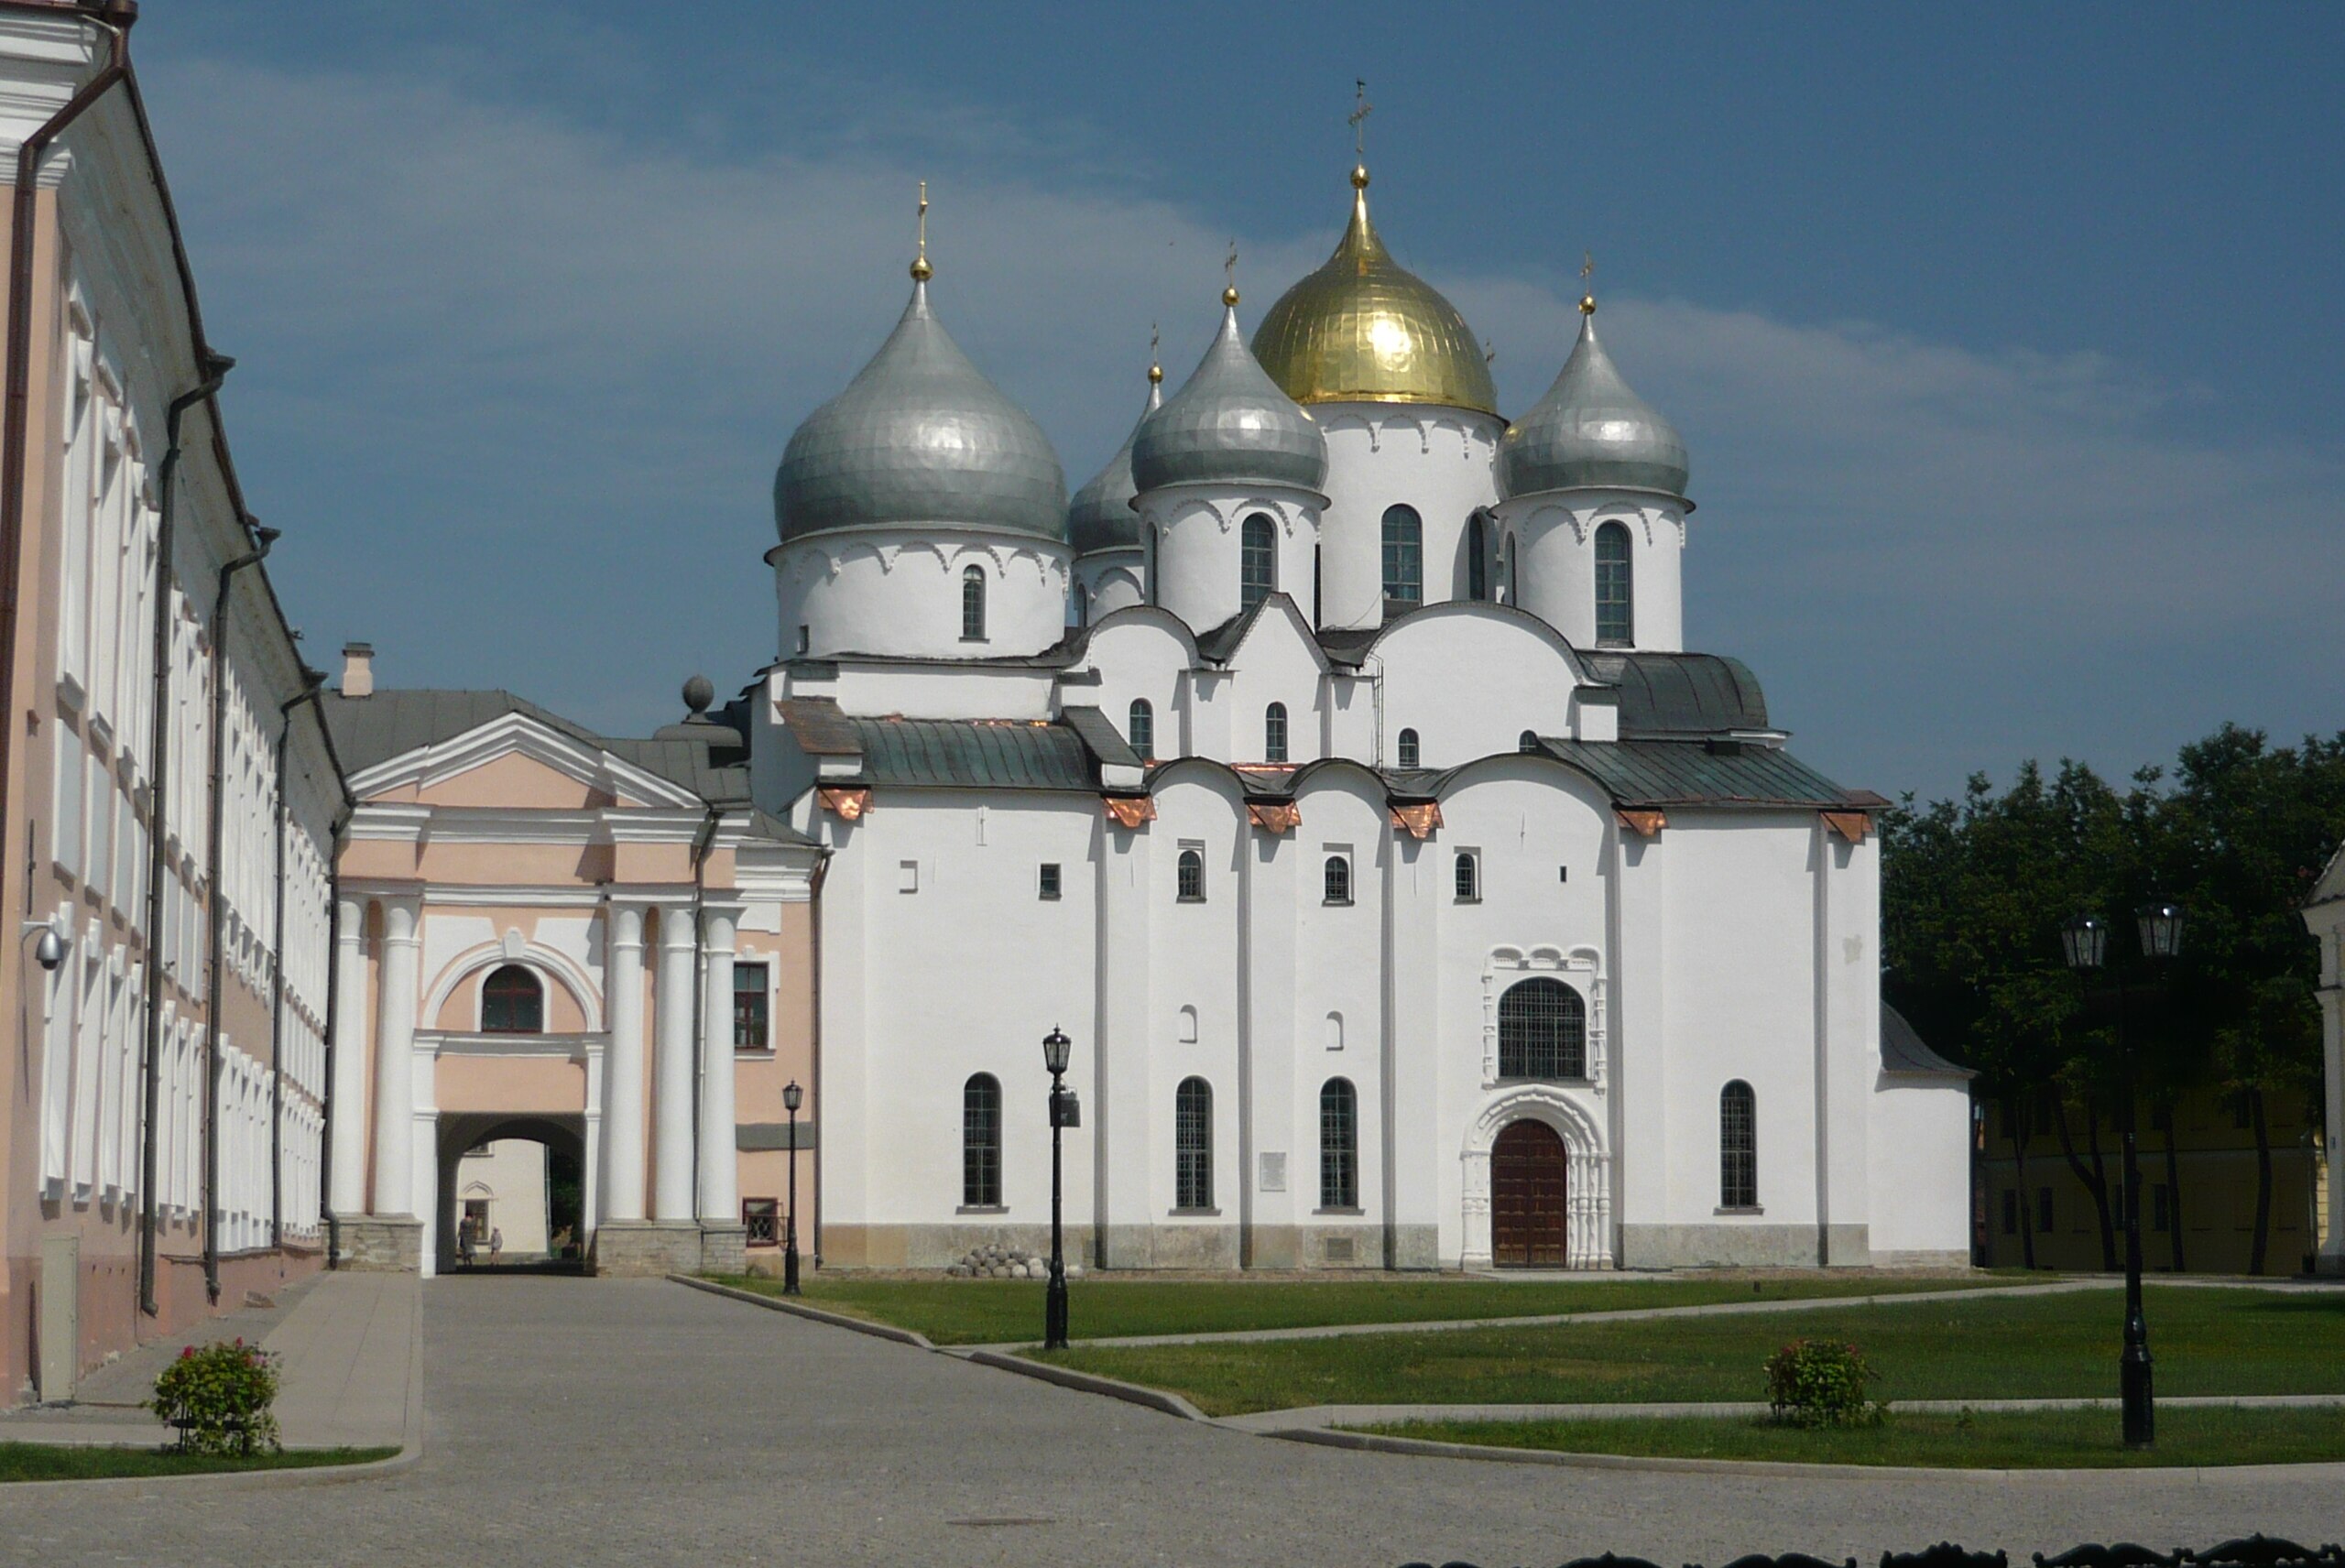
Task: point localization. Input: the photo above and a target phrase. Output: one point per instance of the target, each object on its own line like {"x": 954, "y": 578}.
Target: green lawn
{"x": 1982, "y": 1440}
{"x": 1004, "y": 1311}
{"x": 60, "y": 1462}
{"x": 2206, "y": 1342}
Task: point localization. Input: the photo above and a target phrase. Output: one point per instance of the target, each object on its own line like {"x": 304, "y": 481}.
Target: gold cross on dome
{"x": 924, "y": 219}
{"x": 1230, "y": 265}
{"x": 1587, "y": 269}
{"x": 1358, "y": 118}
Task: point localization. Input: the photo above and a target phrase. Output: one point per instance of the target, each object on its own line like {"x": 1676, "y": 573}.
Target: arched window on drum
{"x": 1543, "y": 1030}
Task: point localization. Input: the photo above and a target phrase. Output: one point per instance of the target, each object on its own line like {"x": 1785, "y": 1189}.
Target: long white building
{"x": 1413, "y": 897}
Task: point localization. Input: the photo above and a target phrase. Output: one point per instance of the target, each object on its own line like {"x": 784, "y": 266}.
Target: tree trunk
{"x": 2173, "y": 1194}
{"x": 2094, "y": 1176}
{"x": 2263, "y": 1181}
{"x": 2020, "y": 1129}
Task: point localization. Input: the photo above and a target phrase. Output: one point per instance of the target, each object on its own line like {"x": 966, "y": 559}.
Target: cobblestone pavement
{"x": 579, "y": 1422}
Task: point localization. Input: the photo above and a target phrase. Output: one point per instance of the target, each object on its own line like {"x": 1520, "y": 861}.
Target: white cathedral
{"x": 1333, "y": 770}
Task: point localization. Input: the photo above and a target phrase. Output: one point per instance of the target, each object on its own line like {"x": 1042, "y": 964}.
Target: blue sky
{"x": 2006, "y": 341}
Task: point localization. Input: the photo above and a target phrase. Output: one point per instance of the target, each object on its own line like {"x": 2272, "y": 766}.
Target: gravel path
{"x": 577, "y": 1421}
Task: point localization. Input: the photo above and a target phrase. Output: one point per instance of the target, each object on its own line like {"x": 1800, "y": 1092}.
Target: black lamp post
{"x": 1054, "y": 1049}
{"x": 2086, "y": 941}
{"x": 792, "y": 1097}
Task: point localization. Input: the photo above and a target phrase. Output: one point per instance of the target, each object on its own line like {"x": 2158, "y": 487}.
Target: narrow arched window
{"x": 1408, "y": 748}
{"x": 1478, "y": 558}
{"x": 1527, "y": 742}
{"x": 1543, "y": 1030}
{"x": 1469, "y": 878}
{"x": 1192, "y": 1145}
{"x": 981, "y": 1142}
{"x": 1738, "y": 1147}
{"x": 1274, "y": 732}
{"x": 1258, "y": 561}
{"x": 1512, "y": 552}
{"x": 1404, "y": 556}
{"x": 1337, "y": 879}
{"x": 1615, "y": 621}
{"x": 512, "y": 1002}
{"x": 973, "y": 605}
{"x": 1190, "y": 876}
{"x": 1339, "y": 1145}
{"x": 1143, "y": 729}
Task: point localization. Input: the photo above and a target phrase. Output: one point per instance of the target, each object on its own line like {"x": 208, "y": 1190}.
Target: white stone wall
{"x": 894, "y": 591}
{"x": 1442, "y": 462}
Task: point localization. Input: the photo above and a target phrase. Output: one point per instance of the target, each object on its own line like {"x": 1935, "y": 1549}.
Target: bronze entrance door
{"x": 1528, "y": 1167}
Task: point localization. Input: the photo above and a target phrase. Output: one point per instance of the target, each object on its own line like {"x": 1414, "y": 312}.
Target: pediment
{"x": 515, "y": 762}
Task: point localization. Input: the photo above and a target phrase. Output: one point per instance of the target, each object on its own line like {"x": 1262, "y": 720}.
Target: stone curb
{"x": 1376, "y": 1443}
{"x": 782, "y": 1304}
{"x": 1156, "y": 1400}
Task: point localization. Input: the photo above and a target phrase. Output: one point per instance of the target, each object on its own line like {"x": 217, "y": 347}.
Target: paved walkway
{"x": 350, "y": 1373}
{"x": 1318, "y": 1418}
{"x": 575, "y": 1422}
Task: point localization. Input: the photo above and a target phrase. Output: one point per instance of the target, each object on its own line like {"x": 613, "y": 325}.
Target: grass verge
{"x": 62, "y": 1462}
{"x": 2205, "y": 1340}
{"x": 1009, "y": 1311}
{"x": 1984, "y": 1440}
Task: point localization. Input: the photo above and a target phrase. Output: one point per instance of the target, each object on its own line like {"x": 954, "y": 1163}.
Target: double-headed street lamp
{"x": 2086, "y": 941}
{"x": 792, "y": 1097}
{"x": 1055, "y": 1046}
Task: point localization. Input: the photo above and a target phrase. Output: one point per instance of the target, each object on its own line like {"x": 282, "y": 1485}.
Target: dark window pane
{"x": 1050, "y": 879}
{"x": 1274, "y": 732}
{"x": 1143, "y": 729}
{"x": 762, "y": 1216}
{"x": 1543, "y": 1030}
{"x": 1338, "y": 880}
{"x": 751, "y": 1032}
{"x": 1258, "y": 561}
{"x": 512, "y": 1002}
{"x": 1338, "y": 1146}
{"x": 1192, "y": 1145}
{"x": 1409, "y": 748}
{"x": 981, "y": 1143}
{"x": 1738, "y": 1147}
{"x": 1404, "y": 570}
{"x": 1469, "y": 879}
{"x": 1191, "y": 873}
{"x": 1614, "y": 618}
{"x": 1477, "y": 561}
{"x": 973, "y": 605}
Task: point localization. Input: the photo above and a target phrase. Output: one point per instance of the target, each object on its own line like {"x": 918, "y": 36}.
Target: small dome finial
{"x": 1229, "y": 271}
{"x": 1587, "y": 283}
{"x": 1155, "y": 368}
{"x": 699, "y": 693}
{"x": 922, "y": 271}
{"x": 1360, "y": 177}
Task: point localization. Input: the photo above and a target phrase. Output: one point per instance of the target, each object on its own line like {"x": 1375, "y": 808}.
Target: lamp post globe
{"x": 1055, "y": 1046}
{"x": 2161, "y": 924}
{"x": 2084, "y": 941}
{"x": 792, "y": 1097}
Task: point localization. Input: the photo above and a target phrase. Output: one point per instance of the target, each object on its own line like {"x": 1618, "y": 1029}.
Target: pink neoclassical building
{"x": 596, "y": 943}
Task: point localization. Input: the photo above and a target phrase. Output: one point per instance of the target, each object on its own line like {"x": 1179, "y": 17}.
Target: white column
{"x": 720, "y": 1174}
{"x": 394, "y": 1063}
{"x": 623, "y": 1115}
{"x": 672, "y": 1105}
{"x": 349, "y": 1194}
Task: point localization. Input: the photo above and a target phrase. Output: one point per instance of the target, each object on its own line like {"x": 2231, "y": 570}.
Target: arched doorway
{"x": 1528, "y": 1174}
{"x": 518, "y": 1179}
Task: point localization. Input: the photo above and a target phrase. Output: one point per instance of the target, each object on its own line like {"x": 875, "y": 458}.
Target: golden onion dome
{"x": 1365, "y": 329}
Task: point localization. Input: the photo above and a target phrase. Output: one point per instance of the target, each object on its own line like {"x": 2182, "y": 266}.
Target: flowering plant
{"x": 1821, "y": 1382}
{"x": 218, "y": 1396}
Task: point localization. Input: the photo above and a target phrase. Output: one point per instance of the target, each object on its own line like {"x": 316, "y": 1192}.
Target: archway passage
{"x": 1529, "y": 1168}
{"x": 497, "y": 1188}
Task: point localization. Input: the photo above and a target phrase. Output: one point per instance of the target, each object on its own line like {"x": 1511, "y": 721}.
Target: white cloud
{"x": 518, "y": 385}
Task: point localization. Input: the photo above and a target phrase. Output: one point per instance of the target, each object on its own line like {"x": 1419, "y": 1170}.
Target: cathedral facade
{"x": 1333, "y": 768}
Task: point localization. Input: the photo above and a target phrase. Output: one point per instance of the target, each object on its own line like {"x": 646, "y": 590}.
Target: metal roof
{"x": 369, "y": 730}
{"x": 1229, "y": 422}
{"x": 982, "y": 753}
{"x": 1100, "y": 736}
{"x": 1903, "y": 1050}
{"x": 1664, "y": 694}
{"x": 1650, "y": 773}
{"x": 1591, "y": 430}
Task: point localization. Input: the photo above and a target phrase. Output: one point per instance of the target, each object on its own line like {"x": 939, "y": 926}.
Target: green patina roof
{"x": 1651, "y": 773}
{"x": 1681, "y": 694}
{"x": 972, "y": 753}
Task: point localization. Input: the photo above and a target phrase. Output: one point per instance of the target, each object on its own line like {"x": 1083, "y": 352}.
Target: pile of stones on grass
{"x": 993, "y": 1261}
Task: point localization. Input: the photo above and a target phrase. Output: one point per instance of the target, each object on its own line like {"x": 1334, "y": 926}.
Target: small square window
{"x": 1050, "y": 879}
{"x": 762, "y": 1218}
{"x": 907, "y": 876}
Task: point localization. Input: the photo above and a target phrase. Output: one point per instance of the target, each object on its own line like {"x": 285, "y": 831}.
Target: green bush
{"x": 1821, "y": 1382}
{"x": 218, "y": 1397}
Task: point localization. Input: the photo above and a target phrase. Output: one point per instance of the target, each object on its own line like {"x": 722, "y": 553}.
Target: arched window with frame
{"x": 1404, "y": 557}
{"x": 1274, "y": 732}
{"x": 1738, "y": 1147}
{"x": 1189, "y": 873}
{"x": 1141, "y": 730}
{"x": 981, "y": 1142}
{"x": 1339, "y": 1145}
{"x": 1469, "y": 878}
{"x": 1258, "y": 559}
{"x": 1478, "y": 557}
{"x": 1335, "y": 880}
{"x": 512, "y": 1001}
{"x": 973, "y": 605}
{"x": 1192, "y": 1145}
{"x": 1543, "y": 1030}
{"x": 1410, "y": 752}
{"x": 1614, "y": 613}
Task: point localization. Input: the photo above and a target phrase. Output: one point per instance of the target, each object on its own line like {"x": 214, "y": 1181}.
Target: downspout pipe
{"x": 159, "y": 750}
{"x": 215, "y": 903}
{"x": 115, "y": 23}
{"x": 313, "y": 683}
{"x": 702, "y": 841}
{"x": 814, "y": 1005}
{"x": 334, "y": 989}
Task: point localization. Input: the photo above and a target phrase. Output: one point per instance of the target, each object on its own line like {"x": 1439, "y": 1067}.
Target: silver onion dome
{"x": 919, "y": 437}
{"x": 1591, "y": 430}
{"x": 1101, "y": 517}
{"x": 1230, "y": 421}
